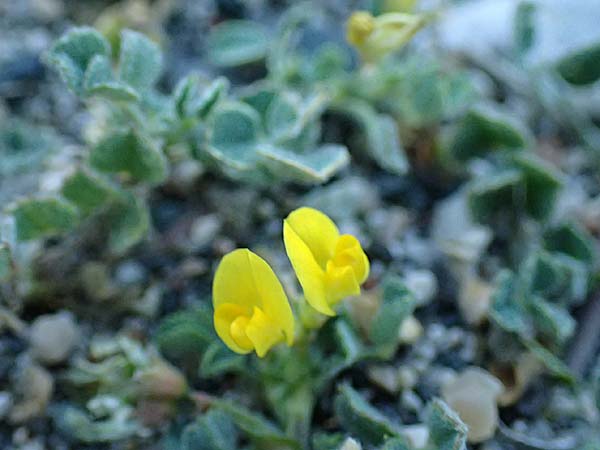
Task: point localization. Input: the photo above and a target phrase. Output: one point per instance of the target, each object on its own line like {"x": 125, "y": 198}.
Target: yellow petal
{"x": 225, "y": 315}
{"x": 317, "y": 231}
{"x": 341, "y": 283}
{"x": 348, "y": 252}
{"x": 263, "y": 332}
{"x": 234, "y": 282}
{"x": 310, "y": 274}
{"x": 273, "y": 301}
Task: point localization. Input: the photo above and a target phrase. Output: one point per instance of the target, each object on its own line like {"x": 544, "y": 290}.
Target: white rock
{"x": 386, "y": 377}
{"x": 473, "y": 395}
{"x": 410, "y": 330}
{"x": 204, "y": 230}
{"x": 423, "y": 284}
{"x": 6, "y": 402}
{"x": 417, "y": 435}
{"x": 350, "y": 444}
{"x": 474, "y": 299}
{"x": 454, "y": 231}
{"x": 52, "y": 337}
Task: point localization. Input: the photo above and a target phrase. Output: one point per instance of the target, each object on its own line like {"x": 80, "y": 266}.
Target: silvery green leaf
{"x": 140, "y": 60}
{"x": 542, "y": 184}
{"x": 362, "y": 419}
{"x": 99, "y": 80}
{"x": 330, "y": 61}
{"x": 524, "y": 27}
{"x": 397, "y": 304}
{"x": 237, "y": 42}
{"x": 287, "y": 116}
{"x": 509, "y": 308}
{"x": 128, "y": 152}
{"x": 37, "y": 218}
{"x": 6, "y": 262}
{"x": 186, "y": 334}
{"x": 195, "y": 98}
{"x": 235, "y": 129}
{"x": 422, "y": 102}
{"x": 87, "y": 191}
{"x": 547, "y": 274}
{"x": 317, "y": 166}
{"x": 581, "y": 67}
{"x": 259, "y": 98}
{"x": 81, "y": 427}
{"x": 256, "y": 426}
{"x": 214, "y": 430}
{"x": 282, "y": 116}
{"x": 71, "y": 54}
{"x": 129, "y": 224}
{"x": 483, "y": 130}
{"x": 218, "y": 360}
{"x": 552, "y": 363}
{"x": 571, "y": 240}
{"x": 552, "y": 321}
{"x": 495, "y": 194}
{"x": 381, "y": 134}
{"x": 446, "y": 430}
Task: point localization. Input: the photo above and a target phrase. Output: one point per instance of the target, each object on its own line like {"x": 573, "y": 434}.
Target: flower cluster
{"x": 251, "y": 309}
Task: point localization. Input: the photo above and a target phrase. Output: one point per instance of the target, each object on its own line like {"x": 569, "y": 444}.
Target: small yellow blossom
{"x": 375, "y": 37}
{"x": 252, "y": 311}
{"x": 328, "y": 265}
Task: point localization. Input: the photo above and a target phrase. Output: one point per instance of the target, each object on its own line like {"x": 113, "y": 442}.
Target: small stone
{"x": 130, "y": 272}
{"x": 204, "y": 230}
{"x": 423, "y": 285}
{"x": 410, "y": 401}
{"x": 410, "y": 330}
{"x": 417, "y": 435}
{"x": 473, "y": 395}
{"x": 52, "y": 337}
{"x": 386, "y": 377}
{"x": 96, "y": 280}
{"x": 387, "y": 225}
{"x": 475, "y": 299}
{"x": 6, "y": 402}
{"x": 407, "y": 377}
{"x": 34, "y": 386}
{"x": 350, "y": 444}
{"x": 455, "y": 232}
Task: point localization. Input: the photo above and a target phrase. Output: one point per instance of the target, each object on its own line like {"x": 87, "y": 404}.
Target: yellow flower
{"x": 375, "y": 37}
{"x": 328, "y": 265}
{"x": 252, "y": 311}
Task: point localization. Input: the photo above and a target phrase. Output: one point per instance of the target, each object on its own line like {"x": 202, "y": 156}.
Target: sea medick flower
{"x": 330, "y": 266}
{"x": 375, "y": 37}
{"x": 251, "y": 310}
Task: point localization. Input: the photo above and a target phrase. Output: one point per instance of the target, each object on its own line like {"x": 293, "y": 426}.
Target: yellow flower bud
{"x": 360, "y": 25}
{"x": 252, "y": 312}
{"x": 375, "y": 37}
{"x": 328, "y": 265}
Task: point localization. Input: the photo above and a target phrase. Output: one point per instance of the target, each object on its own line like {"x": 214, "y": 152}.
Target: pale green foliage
{"x": 237, "y": 42}
{"x": 277, "y": 144}
{"x": 582, "y": 67}
{"x": 362, "y": 419}
{"x": 37, "y": 218}
{"x": 214, "y": 430}
{"x": 521, "y": 183}
{"x": 446, "y": 430}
